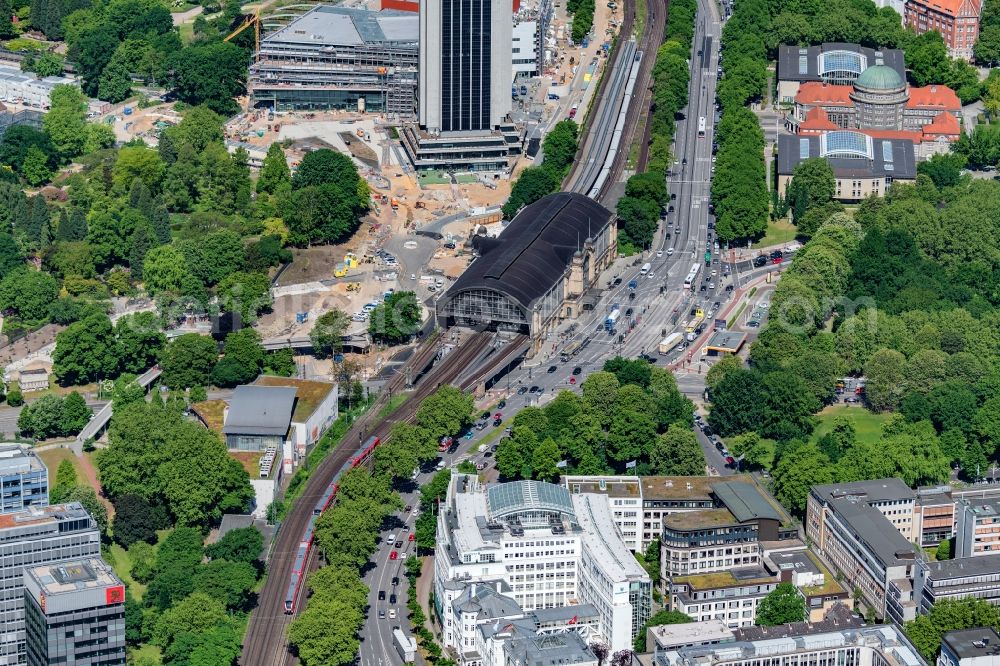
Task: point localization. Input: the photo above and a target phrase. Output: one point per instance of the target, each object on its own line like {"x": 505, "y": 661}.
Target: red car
{"x": 412, "y": 537}
{"x": 393, "y": 555}
{"x": 497, "y": 416}
{"x": 777, "y": 260}
{"x": 572, "y": 380}
{"x": 730, "y": 460}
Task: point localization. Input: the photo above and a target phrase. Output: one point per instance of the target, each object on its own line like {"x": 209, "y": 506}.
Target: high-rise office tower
{"x": 33, "y": 537}
{"x": 74, "y": 614}
{"x": 465, "y": 64}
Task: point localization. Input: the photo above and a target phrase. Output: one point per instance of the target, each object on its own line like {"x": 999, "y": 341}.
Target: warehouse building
{"x": 340, "y": 58}
{"x": 538, "y": 271}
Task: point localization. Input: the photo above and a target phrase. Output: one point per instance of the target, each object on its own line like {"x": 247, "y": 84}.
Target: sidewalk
{"x": 424, "y": 590}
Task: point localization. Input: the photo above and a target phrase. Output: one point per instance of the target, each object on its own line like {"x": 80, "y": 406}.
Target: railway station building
{"x": 539, "y": 271}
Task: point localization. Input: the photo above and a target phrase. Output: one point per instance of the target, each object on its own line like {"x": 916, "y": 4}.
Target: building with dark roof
{"x": 538, "y": 271}
{"x": 977, "y": 577}
{"x": 258, "y": 417}
{"x": 864, "y": 530}
{"x": 861, "y": 165}
{"x": 833, "y": 63}
{"x": 979, "y": 646}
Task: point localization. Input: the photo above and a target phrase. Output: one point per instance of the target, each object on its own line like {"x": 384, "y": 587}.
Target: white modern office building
{"x": 23, "y": 477}
{"x": 864, "y": 646}
{"x": 549, "y": 549}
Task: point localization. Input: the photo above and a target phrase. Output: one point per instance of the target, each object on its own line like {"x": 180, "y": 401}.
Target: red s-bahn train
{"x": 298, "y": 573}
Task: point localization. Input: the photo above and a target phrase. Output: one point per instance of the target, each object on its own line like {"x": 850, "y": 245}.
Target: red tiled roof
{"x": 944, "y": 124}
{"x": 934, "y": 97}
{"x": 915, "y": 137}
{"x": 950, "y": 7}
{"x": 817, "y": 120}
{"x": 815, "y": 92}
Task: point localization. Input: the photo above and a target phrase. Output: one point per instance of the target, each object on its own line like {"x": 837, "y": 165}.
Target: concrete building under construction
{"x": 340, "y": 58}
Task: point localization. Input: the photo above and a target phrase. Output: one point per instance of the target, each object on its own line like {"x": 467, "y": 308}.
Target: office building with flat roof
{"x": 970, "y": 647}
{"x": 864, "y": 530}
{"x": 865, "y": 646}
{"x": 34, "y": 537}
{"x": 934, "y": 515}
{"x": 23, "y": 477}
{"x": 975, "y": 577}
{"x": 665, "y": 637}
{"x": 552, "y": 550}
{"x": 977, "y": 527}
{"x": 74, "y": 614}
{"x": 640, "y": 503}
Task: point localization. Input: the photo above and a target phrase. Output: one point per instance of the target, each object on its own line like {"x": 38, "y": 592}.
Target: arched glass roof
{"x": 507, "y": 499}
{"x": 842, "y": 61}
{"x": 846, "y": 144}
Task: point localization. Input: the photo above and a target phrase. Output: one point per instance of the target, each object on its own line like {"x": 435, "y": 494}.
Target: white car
{"x": 402, "y": 555}
{"x": 659, "y": 253}
{"x": 392, "y": 613}
{"x": 711, "y": 285}
{"x": 391, "y": 538}
{"x": 670, "y": 252}
{"x": 762, "y": 305}
{"x": 713, "y": 272}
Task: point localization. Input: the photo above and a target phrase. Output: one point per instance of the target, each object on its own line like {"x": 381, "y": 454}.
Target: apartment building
{"x": 74, "y": 614}
{"x": 976, "y": 577}
{"x": 956, "y": 20}
{"x": 551, "y": 549}
{"x": 24, "y": 479}
{"x": 864, "y": 646}
{"x": 977, "y": 527}
{"x": 864, "y": 530}
{"x": 640, "y": 503}
{"x": 934, "y": 515}
{"x": 34, "y": 537}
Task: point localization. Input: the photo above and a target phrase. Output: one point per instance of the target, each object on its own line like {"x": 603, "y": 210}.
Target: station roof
{"x": 533, "y": 252}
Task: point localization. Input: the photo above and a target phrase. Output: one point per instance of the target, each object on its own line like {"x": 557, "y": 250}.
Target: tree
{"x": 210, "y": 74}
{"x": 231, "y": 582}
{"x": 140, "y": 341}
{"x": 638, "y": 218}
{"x": 166, "y": 270}
{"x": 66, "y": 480}
{"x": 98, "y": 136}
{"x": 949, "y": 615}
{"x": 28, "y": 293}
{"x": 533, "y": 184}
{"x": 783, "y": 605}
{"x": 545, "y": 459}
{"x": 244, "y": 544}
{"x": 677, "y": 453}
{"x": 884, "y": 379}
{"x": 754, "y": 450}
{"x": 135, "y": 521}
{"x": 987, "y": 47}
{"x": 737, "y": 403}
{"x": 188, "y": 360}
{"x": 927, "y": 59}
{"x": 445, "y": 412}
{"x": 328, "y": 332}
{"x": 137, "y": 162}
{"x": 244, "y": 347}
{"x": 275, "y": 173}
{"x": 141, "y": 242}
{"x": 396, "y": 319}
{"x": 66, "y": 120}
{"x": 560, "y": 147}
{"x": 812, "y": 185}
{"x": 326, "y": 633}
{"x": 86, "y": 351}
{"x": 945, "y": 169}
{"x": 74, "y": 228}
{"x": 196, "y": 613}
{"x": 35, "y": 168}
{"x": 943, "y": 551}
{"x": 800, "y": 467}
{"x": 76, "y": 413}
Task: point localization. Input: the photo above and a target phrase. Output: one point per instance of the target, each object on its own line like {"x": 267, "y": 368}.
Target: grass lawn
{"x": 52, "y": 458}
{"x": 778, "y": 233}
{"x": 123, "y": 567}
{"x": 433, "y": 178}
{"x": 868, "y": 425}
{"x": 150, "y": 652}
{"x": 186, "y": 31}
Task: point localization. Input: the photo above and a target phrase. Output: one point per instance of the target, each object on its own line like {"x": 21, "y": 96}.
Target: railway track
{"x": 266, "y": 639}
{"x": 649, "y": 44}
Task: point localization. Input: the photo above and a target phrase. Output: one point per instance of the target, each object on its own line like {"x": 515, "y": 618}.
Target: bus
{"x": 701, "y": 127}
{"x": 692, "y": 276}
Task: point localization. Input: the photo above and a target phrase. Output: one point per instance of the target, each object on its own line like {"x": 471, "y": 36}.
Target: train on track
{"x": 298, "y": 573}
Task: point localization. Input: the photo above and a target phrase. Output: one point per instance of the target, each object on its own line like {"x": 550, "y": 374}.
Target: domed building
{"x": 879, "y": 98}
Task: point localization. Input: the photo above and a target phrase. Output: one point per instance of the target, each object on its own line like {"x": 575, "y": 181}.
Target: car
{"x": 522, "y": 390}
{"x": 381, "y": 614}
{"x": 485, "y": 415}
{"x": 756, "y": 314}
{"x": 481, "y": 425}
{"x": 392, "y": 598}
{"x": 488, "y": 454}
{"x": 677, "y": 230}
{"x": 493, "y": 449}
{"x": 390, "y": 538}
{"x": 497, "y": 422}
{"x": 699, "y": 52}
{"x": 399, "y": 544}
{"x": 707, "y": 429}
{"x": 673, "y": 195}
{"x": 670, "y": 252}
{"x": 684, "y": 161}
{"x": 402, "y": 555}
{"x": 702, "y": 288}
{"x": 729, "y": 287}
{"x": 659, "y": 253}
{"x": 497, "y": 416}
{"x": 711, "y": 285}
{"x": 381, "y": 595}
{"x": 753, "y": 324}
{"x": 392, "y": 613}
{"x": 534, "y": 389}
{"x": 628, "y": 312}
{"x": 730, "y": 460}
{"x": 480, "y": 466}
{"x": 412, "y": 537}
{"x": 409, "y": 508}
{"x": 502, "y": 404}
{"x": 759, "y": 261}
{"x": 395, "y": 580}
{"x": 551, "y": 369}
{"x": 763, "y": 305}
{"x": 577, "y": 370}
{"x": 393, "y": 555}
{"x": 714, "y": 272}
{"x": 719, "y": 445}
{"x": 777, "y": 260}
{"x": 631, "y": 296}
{"x": 670, "y": 208}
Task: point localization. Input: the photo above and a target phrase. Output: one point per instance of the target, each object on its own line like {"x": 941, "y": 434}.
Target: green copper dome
{"x": 879, "y": 77}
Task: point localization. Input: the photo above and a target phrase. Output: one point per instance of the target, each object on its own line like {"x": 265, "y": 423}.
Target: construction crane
{"x": 249, "y": 20}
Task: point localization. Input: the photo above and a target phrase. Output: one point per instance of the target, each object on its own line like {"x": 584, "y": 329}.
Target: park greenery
{"x": 949, "y": 615}
{"x": 782, "y": 605}
{"x": 630, "y": 415}
{"x": 583, "y": 18}
{"x": 535, "y": 182}
{"x": 54, "y": 416}
{"x": 903, "y": 294}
